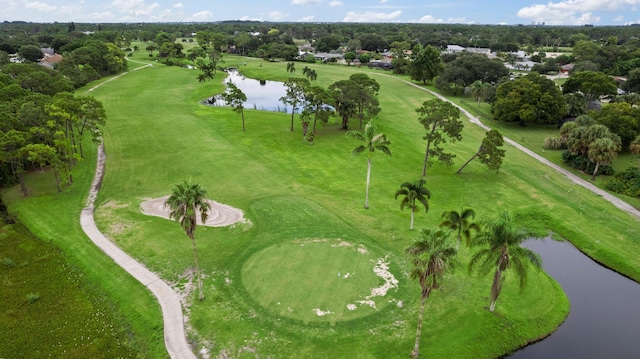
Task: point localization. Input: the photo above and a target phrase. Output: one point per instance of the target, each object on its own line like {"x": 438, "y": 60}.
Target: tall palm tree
{"x": 460, "y": 222}
{"x": 187, "y": 199}
{"x": 414, "y": 192}
{"x": 480, "y": 90}
{"x": 504, "y": 252}
{"x": 602, "y": 151}
{"x": 432, "y": 255}
{"x": 372, "y": 141}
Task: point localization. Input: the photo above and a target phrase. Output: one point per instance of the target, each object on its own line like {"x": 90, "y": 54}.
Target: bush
{"x": 8, "y": 262}
{"x": 32, "y": 297}
{"x": 626, "y": 182}
{"x": 582, "y": 163}
{"x": 555, "y": 143}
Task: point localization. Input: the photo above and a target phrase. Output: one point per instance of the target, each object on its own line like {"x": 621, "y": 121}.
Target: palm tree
{"x": 432, "y": 255}
{"x": 504, "y": 252}
{"x": 479, "y": 90}
{"x": 602, "y": 151}
{"x": 413, "y": 192}
{"x": 372, "y": 141}
{"x": 291, "y": 67}
{"x": 460, "y": 222}
{"x": 185, "y": 201}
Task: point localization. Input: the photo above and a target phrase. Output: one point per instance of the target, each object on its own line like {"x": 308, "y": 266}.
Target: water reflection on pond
{"x": 604, "y": 321}
{"x": 261, "y": 95}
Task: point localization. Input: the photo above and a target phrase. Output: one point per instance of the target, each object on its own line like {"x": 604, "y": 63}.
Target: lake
{"x": 604, "y": 321}
{"x": 260, "y": 96}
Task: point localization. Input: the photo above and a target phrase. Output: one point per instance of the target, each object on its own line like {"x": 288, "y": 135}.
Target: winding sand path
{"x": 174, "y": 335}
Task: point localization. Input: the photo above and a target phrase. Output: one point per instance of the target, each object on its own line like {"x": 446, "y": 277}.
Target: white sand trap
{"x": 220, "y": 215}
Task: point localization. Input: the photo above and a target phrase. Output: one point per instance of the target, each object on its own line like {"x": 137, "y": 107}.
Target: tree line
{"x": 43, "y": 124}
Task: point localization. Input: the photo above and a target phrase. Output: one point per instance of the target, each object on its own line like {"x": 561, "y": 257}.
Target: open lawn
{"x": 158, "y": 133}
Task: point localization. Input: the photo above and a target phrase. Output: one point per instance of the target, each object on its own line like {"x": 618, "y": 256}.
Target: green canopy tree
{"x": 432, "y": 255}
{"x": 489, "y": 152}
{"x": 235, "y": 98}
{"x": 461, "y": 222}
{"x": 414, "y": 193}
{"x": 441, "y": 120}
{"x": 294, "y": 95}
{"x": 316, "y": 101}
{"x": 372, "y": 141}
{"x": 531, "y": 98}
{"x": 502, "y": 251}
{"x": 426, "y": 64}
{"x": 592, "y": 84}
{"x": 186, "y": 201}
{"x": 366, "y": 96}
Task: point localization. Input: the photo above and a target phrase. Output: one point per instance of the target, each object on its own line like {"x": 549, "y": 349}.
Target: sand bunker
{"x": 220, "y": 215}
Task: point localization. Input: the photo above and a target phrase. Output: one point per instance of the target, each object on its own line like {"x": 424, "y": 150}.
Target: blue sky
{"x": 555, "y": 12}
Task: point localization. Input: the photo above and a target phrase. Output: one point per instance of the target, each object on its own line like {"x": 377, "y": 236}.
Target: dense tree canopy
{"x": 621, "y": 119}
{"x": 531, "y": 98}
{"x": 465, "y": 68}
{"x": 591, "y": 83}
{"x": 425, "y": 64}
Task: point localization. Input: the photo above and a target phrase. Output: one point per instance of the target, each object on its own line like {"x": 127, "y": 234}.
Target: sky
{"x": 507, "y": 12}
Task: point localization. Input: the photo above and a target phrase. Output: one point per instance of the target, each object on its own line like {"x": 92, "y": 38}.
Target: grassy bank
{"x": 38, "y": 283}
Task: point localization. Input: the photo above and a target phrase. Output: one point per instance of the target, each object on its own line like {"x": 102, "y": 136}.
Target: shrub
{"x": 582, "y": 163}
{"x": 32, "y": 297}
{"x": 8, "y": 262}
{"x": 551, "y": 143}
{"x": 626, "y": 182}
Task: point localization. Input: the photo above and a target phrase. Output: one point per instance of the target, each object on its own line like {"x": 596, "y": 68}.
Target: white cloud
{"x": 201, "y": 16}
{"x": 370, "y": 16}
{"x": 618, "y": 18}
{"x": 306, "y": 18}
{"x": 178, "y": 5}
{"x": 572, "y": 12}
{"x": 137, "y": 7}
{"x": 306, "y": 2}
{"x": 40, "y": 6}
{"x": 277, "y": 15}
{"x": 457, "y": 20}
{"x": 428, "y": 19}
{"x": 247, "y": 18}
{"x": 334, "y": 3}
{"x": 383, "y": 1}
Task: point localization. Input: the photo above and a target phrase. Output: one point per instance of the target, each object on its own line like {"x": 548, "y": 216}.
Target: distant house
{"x": 50, "y": 61}
{"x": 520, "y": 55}
{"x": 453, "y": 49}
{"x": 385, "y": 64}
{"x": 324, "y": 56}
{"x": 479, "y": 50}
{"x": 565, "y": 69}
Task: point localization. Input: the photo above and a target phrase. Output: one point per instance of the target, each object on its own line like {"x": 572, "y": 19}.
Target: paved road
{"x": 174, "y": 335}
{"x": 575, "y": 179}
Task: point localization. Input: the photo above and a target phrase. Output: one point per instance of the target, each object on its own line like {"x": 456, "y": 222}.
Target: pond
{"x": 604, "y": 321}
{"x": 261, "y": 95}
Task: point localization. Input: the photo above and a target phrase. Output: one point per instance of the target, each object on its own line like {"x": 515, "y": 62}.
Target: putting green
{"x": 319, "y": 280}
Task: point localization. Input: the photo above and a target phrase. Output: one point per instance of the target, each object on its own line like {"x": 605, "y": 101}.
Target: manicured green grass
{"x": 50, "y": 310}
{"x": 286, "y": 289}
{"x": 158, "y": 134}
